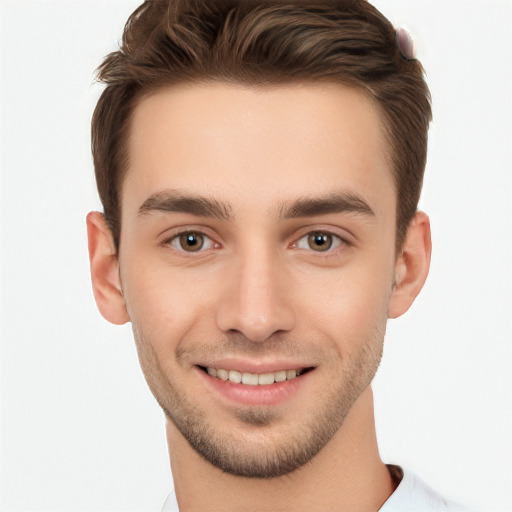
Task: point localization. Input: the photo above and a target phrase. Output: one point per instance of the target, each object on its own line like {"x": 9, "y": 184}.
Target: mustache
{"x": 237, "y": 345}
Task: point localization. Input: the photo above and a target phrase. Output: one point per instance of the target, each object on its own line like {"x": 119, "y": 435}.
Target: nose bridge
{"x": 256, "y": 302}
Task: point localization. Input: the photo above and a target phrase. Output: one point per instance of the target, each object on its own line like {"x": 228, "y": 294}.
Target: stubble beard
{"x": 278, "y": 451}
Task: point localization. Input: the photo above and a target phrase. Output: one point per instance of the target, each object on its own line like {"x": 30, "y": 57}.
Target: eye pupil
{"x": 192, "y": 241}
{"x": 320, "y": 241}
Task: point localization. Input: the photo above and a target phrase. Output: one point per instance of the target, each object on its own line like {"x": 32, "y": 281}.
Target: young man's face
{"x": 258, "y": 238}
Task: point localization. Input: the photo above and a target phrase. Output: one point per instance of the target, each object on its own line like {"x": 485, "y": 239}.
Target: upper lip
{"x": 249, "y": 366}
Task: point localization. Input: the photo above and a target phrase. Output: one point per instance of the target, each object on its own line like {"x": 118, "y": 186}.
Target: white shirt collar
{"x": 411, "y": 495}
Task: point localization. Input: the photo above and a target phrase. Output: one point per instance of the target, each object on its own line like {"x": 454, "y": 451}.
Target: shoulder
{"x": 414, "y": 495}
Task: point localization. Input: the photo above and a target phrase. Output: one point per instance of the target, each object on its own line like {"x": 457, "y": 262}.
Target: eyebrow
{"x": 339, "y": 202}
{"x": 172, "y": 201}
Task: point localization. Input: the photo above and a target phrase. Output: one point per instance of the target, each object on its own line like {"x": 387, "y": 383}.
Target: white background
{"x": 79, "y": 428}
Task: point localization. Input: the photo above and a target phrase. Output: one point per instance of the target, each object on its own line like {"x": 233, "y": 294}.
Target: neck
{"x": 346, "y": 475}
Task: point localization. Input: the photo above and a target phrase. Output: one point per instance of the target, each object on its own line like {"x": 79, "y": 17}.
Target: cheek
{"x": 350, "y": 304}
{"x": 163, "y": 304}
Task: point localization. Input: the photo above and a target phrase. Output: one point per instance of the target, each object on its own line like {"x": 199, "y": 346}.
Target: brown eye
{"x": 320, "y": 241}
{"x": 191, "y": 242}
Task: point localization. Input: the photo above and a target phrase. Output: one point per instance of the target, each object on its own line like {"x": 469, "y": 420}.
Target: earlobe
{"x": 412, "y": 266}
{"x": 104, "y": 264}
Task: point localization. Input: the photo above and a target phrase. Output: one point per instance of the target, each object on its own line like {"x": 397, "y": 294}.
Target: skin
{"x": 260, "y": 291}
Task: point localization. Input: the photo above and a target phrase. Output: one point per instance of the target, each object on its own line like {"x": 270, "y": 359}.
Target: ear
{"x": 412, "y": 265}
{"x": 104, "y": 262}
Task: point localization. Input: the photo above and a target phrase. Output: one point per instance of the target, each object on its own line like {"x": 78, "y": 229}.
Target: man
{"x": 260, "y": 165}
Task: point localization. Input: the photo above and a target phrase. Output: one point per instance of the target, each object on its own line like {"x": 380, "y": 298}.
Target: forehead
{"x": 257, "y": 147}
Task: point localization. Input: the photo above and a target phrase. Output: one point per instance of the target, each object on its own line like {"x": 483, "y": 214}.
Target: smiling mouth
{"x": 254, "y": 379}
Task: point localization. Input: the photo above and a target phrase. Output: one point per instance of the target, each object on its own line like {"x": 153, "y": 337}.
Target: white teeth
{"x": 253, "y": 379}
{"x": 291, "y": 374}
{"x": 222, "y": 374}
{"x": 265, "y": 378}
{"x": 235, "y": 376}
{"x": 280, "y": 376}
{"x": 250, "y": 378}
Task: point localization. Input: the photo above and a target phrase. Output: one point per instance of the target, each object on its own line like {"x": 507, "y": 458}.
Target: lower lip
{"x": 271, "y": 394}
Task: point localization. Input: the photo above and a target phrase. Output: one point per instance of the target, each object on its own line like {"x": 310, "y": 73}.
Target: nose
{"x": 256, "y": 301}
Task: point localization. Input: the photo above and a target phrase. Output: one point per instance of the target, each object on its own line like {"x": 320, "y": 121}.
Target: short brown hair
{"x": 262, "y": 43}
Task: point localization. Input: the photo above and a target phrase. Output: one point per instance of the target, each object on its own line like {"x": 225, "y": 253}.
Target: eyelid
{"x": 337, "y": 242}
{"x": 175, "y": 233}
{"x": 343, "y": 235}
{"x": 207, "y": 242}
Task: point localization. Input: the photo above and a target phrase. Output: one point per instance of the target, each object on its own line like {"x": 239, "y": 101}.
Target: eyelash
{"x": 337, "y": 241}
{"x": 175, "y": 238}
